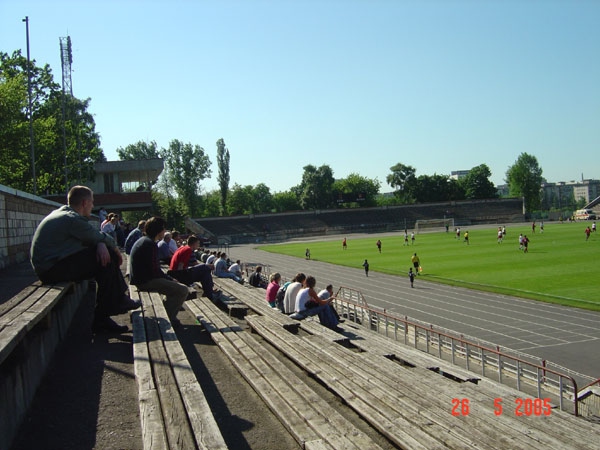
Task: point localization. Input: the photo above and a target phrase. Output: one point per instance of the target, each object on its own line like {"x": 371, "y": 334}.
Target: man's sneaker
{"x": 109, "y": 325}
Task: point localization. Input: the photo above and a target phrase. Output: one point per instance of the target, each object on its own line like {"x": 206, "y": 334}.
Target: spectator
{"x": 146, "y": 274}
{"x": 329, "y": 317}
{"x": 187, "y": 270}
{"x": 102, "y": 214}
{"x": 272, "y": 289}
{"x": 308, "y": 304}
{"x": 66, "y": 247}
{"x": 174, "y": 243}
{"x": 221, "y": 269}
{"x": 204, "y": 255}
{"x": 236, "y": 269}
{"x": 120, "y": 232}
{"x": 212, "y": 256}
{"x": 256, "y": 279}
{"x": 135, "y": 234}
{"x": 164, "y": 249}
{"x": 110, "y": 225}
{"x": 289, "y": 300}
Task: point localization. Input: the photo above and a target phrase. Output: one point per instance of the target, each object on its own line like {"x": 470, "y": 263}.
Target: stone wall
{"x": 20, "y": 214}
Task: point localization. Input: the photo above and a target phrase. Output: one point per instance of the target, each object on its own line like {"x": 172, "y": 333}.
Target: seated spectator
{"x": 146, "y": 274}
{"x": 308, "y": 303}
{"x": 175, "y": 242}
{"x": 135, "y": 234}
{"x": 236, "y": 269}
{"x": 204, "y": 255}
{"x": 256, "y": 279}
{"x": 120, "y": 232}
{"x": 221, "y": 269}
{"x": 329, "y": 317}
{"x": 164, "y": 249}
{"x": 212, "y": 257}
{"x": 289, "y": 300}
{"x": 109, "y": 226}
{"x": 188, "y": 271}
{"x": 67, "y": 247}
{"x": 272, "y": 289}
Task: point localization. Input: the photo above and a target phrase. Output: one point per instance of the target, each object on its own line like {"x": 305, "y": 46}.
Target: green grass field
{"x": 561, "y": 266}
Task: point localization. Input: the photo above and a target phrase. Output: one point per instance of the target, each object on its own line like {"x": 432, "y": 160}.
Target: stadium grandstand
{"x": 281, "y": 226}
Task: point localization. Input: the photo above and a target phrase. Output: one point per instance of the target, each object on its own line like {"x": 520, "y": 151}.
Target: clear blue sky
{"x": 358, "y": 85}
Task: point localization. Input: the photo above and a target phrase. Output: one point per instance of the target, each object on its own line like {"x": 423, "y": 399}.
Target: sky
{"x": 439, "y": 85}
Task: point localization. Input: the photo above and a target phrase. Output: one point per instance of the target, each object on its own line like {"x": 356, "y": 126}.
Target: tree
{"x": 223, "y": 178}
{"x": 403, "y": 180}
{"x": 436, "y": 188}
{"x": 139, "y": 150}
{"x": 524, "y": 179}
{"x": 240, "y": 200}
{"x": 286, "y": 201}
{"x": 186, "y": 165}
{"x": 250, "y": 199}
{"x": 316, "y": 188}
{"x": 355, "y": 184}
{"x": 476, "y": 184}
{"x": 66, "y": 146}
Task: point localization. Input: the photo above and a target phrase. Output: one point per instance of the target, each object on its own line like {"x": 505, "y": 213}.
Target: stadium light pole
{"x": 26, "y": 20}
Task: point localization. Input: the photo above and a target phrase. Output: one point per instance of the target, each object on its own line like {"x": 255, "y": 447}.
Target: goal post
{"x": 422, "y": 226}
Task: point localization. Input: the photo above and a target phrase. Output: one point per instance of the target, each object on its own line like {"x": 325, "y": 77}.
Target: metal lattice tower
{"x": 66, "y": 57}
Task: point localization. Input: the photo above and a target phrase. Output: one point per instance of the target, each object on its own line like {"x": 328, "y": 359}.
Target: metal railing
{"x": 525, "y": 375}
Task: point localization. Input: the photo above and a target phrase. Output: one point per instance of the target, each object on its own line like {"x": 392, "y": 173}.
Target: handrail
{"x": 460, "y": 346}
{"x": 591, "y": 384}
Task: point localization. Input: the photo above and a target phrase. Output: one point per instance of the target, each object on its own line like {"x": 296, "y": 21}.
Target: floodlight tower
{"x": 66, "y": 58}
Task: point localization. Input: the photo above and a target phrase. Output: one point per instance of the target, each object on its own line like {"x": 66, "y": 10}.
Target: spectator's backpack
{"x": 280, "y": 295}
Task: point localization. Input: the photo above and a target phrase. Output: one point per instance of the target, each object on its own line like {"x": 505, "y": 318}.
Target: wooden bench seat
{"x": 174, "y": 412}
{"x": 394, "y": 400}
{"x": 309, "y": 418}
{"x": 373, "y": 342}
{"x": 32, "y": 324}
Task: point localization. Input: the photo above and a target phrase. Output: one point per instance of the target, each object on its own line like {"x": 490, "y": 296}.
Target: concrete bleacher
{"x": 248, "y": 228}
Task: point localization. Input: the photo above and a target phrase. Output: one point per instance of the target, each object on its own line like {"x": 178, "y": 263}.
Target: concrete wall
{"x": 20, "y": 214}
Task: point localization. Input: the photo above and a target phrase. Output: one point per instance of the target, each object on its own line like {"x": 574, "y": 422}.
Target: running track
{"x": 568, "y": 337}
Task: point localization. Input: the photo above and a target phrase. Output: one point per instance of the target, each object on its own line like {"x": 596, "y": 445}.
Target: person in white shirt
{"x": 289, "y": 300}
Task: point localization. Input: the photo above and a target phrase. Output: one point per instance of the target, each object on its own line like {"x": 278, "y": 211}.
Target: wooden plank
{"x": 204, "y": 426}
{"x": 373, "y": 342}
{"x": 28, "y": 314}
{"x": 153, "y": 430}
{"x": 179, "y": 433}
{"x": 507, "y": 429}
{"x": 297, "y": 427}
{"x": 12, "y": 303}
{"x": 324, "y": 419}
{"x": 366, "y": 399}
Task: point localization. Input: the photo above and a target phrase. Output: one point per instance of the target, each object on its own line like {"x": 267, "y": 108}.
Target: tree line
{"x": 66, "y": 146}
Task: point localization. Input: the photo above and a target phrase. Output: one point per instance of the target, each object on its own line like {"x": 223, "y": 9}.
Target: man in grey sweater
{"x": 66, "y": 247}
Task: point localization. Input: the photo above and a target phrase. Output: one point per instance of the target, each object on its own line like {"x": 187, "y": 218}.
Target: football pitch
{"x": 560, "y": 267}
